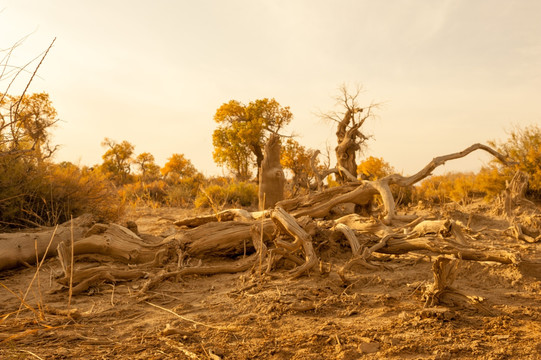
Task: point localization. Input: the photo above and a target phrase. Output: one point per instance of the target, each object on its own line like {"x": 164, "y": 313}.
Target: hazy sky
{"x": 449, "y": 73}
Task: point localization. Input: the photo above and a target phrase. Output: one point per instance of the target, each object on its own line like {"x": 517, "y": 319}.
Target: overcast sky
{"x": 448, "y": 73}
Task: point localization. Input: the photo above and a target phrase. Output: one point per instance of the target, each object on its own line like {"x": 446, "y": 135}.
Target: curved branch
{"x": 440, "y": 160}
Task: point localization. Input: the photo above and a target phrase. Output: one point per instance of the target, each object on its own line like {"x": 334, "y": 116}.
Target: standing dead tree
{"x": 271, "y": 175}
{"x": 350, "y": 138}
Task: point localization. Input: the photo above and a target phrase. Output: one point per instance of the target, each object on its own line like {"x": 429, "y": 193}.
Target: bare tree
{"x": 350, "y": 138}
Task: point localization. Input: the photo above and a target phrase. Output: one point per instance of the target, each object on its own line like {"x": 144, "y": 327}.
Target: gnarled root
{"x": 287, "y": 224}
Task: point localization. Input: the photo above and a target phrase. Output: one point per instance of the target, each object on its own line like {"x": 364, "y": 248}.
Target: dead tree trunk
{"x": 271, "y": 176}
{"x": 349, "y": 139}
{"x": 22, "y": 248}
{"x": 514, "y": 193}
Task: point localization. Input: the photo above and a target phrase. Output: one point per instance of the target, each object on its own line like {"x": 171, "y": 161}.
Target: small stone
{"x": 369, "y": 348}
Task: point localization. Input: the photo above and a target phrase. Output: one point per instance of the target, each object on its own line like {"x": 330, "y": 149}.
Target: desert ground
{"x": 380, "y": 312}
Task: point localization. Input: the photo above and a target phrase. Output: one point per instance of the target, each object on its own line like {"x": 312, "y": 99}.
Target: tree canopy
{"x": 523, "y": 147}
{"x": 25, "y": 123}
{"x": 117, "y": 159}
{"x": 243, "y": 131}
{"x": 177, "y": 167}
{"x": 148, "y": 168}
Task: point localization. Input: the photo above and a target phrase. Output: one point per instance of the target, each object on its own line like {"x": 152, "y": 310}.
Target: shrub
{"x": 151, "y": 194}
{"x": 75, "y": 191}
{"x": 490, "y": 182}
{"x": 40, "y": 193}
{"x": 458, "y": 187}
{"x": 184, "y": 191}
{"x": 236, "y": 194}
{"x": 523, "y": 147}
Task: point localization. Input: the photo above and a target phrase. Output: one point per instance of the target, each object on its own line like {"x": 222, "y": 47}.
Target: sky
{"x": 446, "y": 73}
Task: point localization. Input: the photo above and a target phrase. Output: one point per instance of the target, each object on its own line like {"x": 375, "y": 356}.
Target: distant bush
{"x": 457, "y": 187}
{"x": 220, "y": 195}
{"x": 151, "y": 194}
{"x": 183, "y": 191}
{"x": 490, "y": 181}
{"x": 462, "y": 187}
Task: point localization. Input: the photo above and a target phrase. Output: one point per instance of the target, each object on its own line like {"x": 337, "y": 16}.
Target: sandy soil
{"x": 380, "y": 315}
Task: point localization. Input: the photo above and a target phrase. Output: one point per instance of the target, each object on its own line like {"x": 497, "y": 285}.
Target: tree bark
{"x": 271, "y": 176}
{"x": 20, "y": 248}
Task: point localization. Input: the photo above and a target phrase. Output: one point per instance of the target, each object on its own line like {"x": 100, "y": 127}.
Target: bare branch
{"x": 440, "y": 160}
{"x": 32, "y": 78}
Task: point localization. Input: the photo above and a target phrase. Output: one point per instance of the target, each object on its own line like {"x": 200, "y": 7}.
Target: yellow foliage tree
{"x": 117, "y": 160}
{"x": 297, "y": 159}
{"x": 374, "y": 168}
{"x": 25, "y": 123}
{"x": 178, "y": 167}
{"x": 523, "y": 147}
{"x": 148, "y": 169}
{"x": 242, "y": 133}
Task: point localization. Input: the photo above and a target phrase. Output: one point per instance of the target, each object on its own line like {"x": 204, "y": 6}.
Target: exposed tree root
{"x": 288, "y": 224}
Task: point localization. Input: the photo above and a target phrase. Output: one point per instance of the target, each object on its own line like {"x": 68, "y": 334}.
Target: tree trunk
{"x": 22, "y": 248}
{"x": 271, "y": 176}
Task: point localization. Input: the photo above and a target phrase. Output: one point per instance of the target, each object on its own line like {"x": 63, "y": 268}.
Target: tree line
{"x": 35, "y": 190}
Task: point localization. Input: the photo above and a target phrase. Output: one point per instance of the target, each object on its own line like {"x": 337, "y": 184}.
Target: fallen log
{"x": 230, "y": 267}
{"x": 20, "y": 248}
{"x": 219, "y": 238}
{"x": 225, "y": 215}
{"x": 440, "y": 246}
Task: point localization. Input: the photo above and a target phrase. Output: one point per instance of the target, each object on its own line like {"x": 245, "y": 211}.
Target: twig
{"x": 113, "y": 295}
{"x": 31, "y": 353}
{"x": 187, "y": 319}
{"x": 20, "y": 299}
{"x": 70, "y": 291}
{"x": 178, "y": 346}
{"x": 32, "y": 78}
{"x": 37, "y": 271}
{"x": 40, "y": 302}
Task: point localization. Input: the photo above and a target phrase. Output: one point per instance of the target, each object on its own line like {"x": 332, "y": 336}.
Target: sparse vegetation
{"x": 36, "y": 191}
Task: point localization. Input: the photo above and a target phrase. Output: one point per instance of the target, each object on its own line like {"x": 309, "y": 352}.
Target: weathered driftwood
{"x": 83, "y": 279}
{"x": 20, "y": 248}
{"x": 514, "y": 193}
{"x": 365, "y": 225}
{"x": 435, "y": 227}
{"x": 438, "y": 245}
{"x": 320, "y": 204}
{"x": 383, "y": 185}
{"x": 523, "y": 233}
{"x": 360, "y": 256}
{"x": 303, "y": 240}
{"x": 225, "y": 215}
{"x": 245, "y": 263}
{"x": 218, "y": 238}
{"x": 118, "y": 243}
